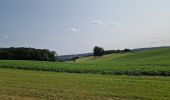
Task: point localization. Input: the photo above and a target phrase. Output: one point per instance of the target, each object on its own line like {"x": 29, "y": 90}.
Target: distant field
{"x": 25, "y": 85}
{"x": 147, "y": 62}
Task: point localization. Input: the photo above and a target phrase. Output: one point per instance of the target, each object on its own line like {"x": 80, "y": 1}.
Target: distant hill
{"x": 68, "y": 57}
{"x": 148, "y": 48}
{"x": 144, "y": 56}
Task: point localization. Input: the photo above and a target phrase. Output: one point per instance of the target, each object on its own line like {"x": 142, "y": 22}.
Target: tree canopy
{"x": 98, "y": 51}
{"x": 22, "y": 53}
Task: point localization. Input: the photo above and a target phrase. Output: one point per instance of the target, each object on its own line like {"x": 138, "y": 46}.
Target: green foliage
{"x": 33, "y": 85}
{"x": 98, "y": 51}
{"x": 116, "y": 51}
{"x": 22, "y": 53}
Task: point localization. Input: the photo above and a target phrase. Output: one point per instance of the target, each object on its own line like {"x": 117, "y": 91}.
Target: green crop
{"x": 147, "y": 62}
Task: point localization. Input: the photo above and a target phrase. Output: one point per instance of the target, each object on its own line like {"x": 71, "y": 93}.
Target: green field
{"x": 89, "y": 78}
{"x": 146, "y": 62}
{"x": 25, "y": 85}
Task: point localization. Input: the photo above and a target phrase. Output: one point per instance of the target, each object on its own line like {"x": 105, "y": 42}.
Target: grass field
{"x": 37, "y": 85}
{"x": 146, "y": 62}
{"x": 38, "y": 80}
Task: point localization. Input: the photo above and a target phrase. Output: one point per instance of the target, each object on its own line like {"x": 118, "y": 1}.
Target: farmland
{"x": 25, "y": 85}
{"x": 136, "y": 75}
{"x": 146, "y": 62}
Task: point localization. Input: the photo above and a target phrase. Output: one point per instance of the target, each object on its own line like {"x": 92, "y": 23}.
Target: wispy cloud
{"x": 74, "y": 30}
{"x": 5, "y": 36}
{"x": 97, "y": 22}
{"x": 2, "y": 37}
{"x": 157, "y": 40}
{"x": 113, "y": 25}
{"x": 162, "y": 19}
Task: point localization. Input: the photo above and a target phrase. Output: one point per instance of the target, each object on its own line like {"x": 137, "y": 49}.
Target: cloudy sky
{"x": 76, "y": 26}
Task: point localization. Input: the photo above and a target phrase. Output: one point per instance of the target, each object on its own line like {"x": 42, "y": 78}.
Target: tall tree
{"x": 98, "y": 51}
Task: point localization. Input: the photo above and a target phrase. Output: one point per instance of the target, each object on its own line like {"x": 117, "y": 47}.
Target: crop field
{"x": 137, "y": 75}
{"x": 146, "y": 62}
{"x": 39, "y": 85}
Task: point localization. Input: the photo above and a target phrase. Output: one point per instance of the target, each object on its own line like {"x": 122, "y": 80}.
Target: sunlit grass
{"x": 22, "y": 84}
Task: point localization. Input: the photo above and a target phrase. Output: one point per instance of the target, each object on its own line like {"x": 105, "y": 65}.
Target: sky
{"x": 76, "y": 26}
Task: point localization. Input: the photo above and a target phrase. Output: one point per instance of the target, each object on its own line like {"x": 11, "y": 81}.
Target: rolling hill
{"x": 144, "y": 62}
{"x": 151, "y": 55}
{"x": 83, "y": 79}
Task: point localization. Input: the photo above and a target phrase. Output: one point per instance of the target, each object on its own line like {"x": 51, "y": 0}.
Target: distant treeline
{"x": 99, "y": 51}
{"x": 116, "y": 51}
{"x": 22, "y": 53}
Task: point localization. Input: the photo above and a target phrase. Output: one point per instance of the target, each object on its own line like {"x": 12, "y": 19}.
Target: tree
{"x": 98, "y": 51}
{"x": 126, "y": 50}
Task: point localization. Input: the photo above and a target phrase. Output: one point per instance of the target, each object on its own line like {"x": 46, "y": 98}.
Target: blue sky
{"x": 76, "y": 26}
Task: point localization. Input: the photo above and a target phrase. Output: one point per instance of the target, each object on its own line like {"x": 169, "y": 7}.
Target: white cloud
{"x": 157, "y": 40}
{"x": 2, "y": 37}
{"x": 113, "y": 25}
{"x": 162, "y": 19}
{"x": 97, "y": 22}
{"x": 5, "y": 36}
{"x": 74, "y": 30}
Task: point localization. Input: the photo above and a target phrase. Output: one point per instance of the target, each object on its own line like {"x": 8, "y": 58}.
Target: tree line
{"x": 99, "y": 51}
{"x": 22, "y": 53}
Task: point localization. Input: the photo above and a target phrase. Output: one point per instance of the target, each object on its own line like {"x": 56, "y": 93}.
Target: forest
{"x": 23, "y": 53}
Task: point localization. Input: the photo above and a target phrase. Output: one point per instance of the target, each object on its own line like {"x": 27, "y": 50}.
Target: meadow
{"x": 136, "y": 75}
{"x": 146, "y": 62}
{"x": 42, "y": 85}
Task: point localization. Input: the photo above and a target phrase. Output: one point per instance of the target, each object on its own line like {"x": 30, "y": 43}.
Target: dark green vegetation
{"x": 22, "y": 53}
{"x": 25, "y": 85}
{"x": 116, "y": 51}
{"x": 98, "y": 51}
{"x": 146, "y": 62}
